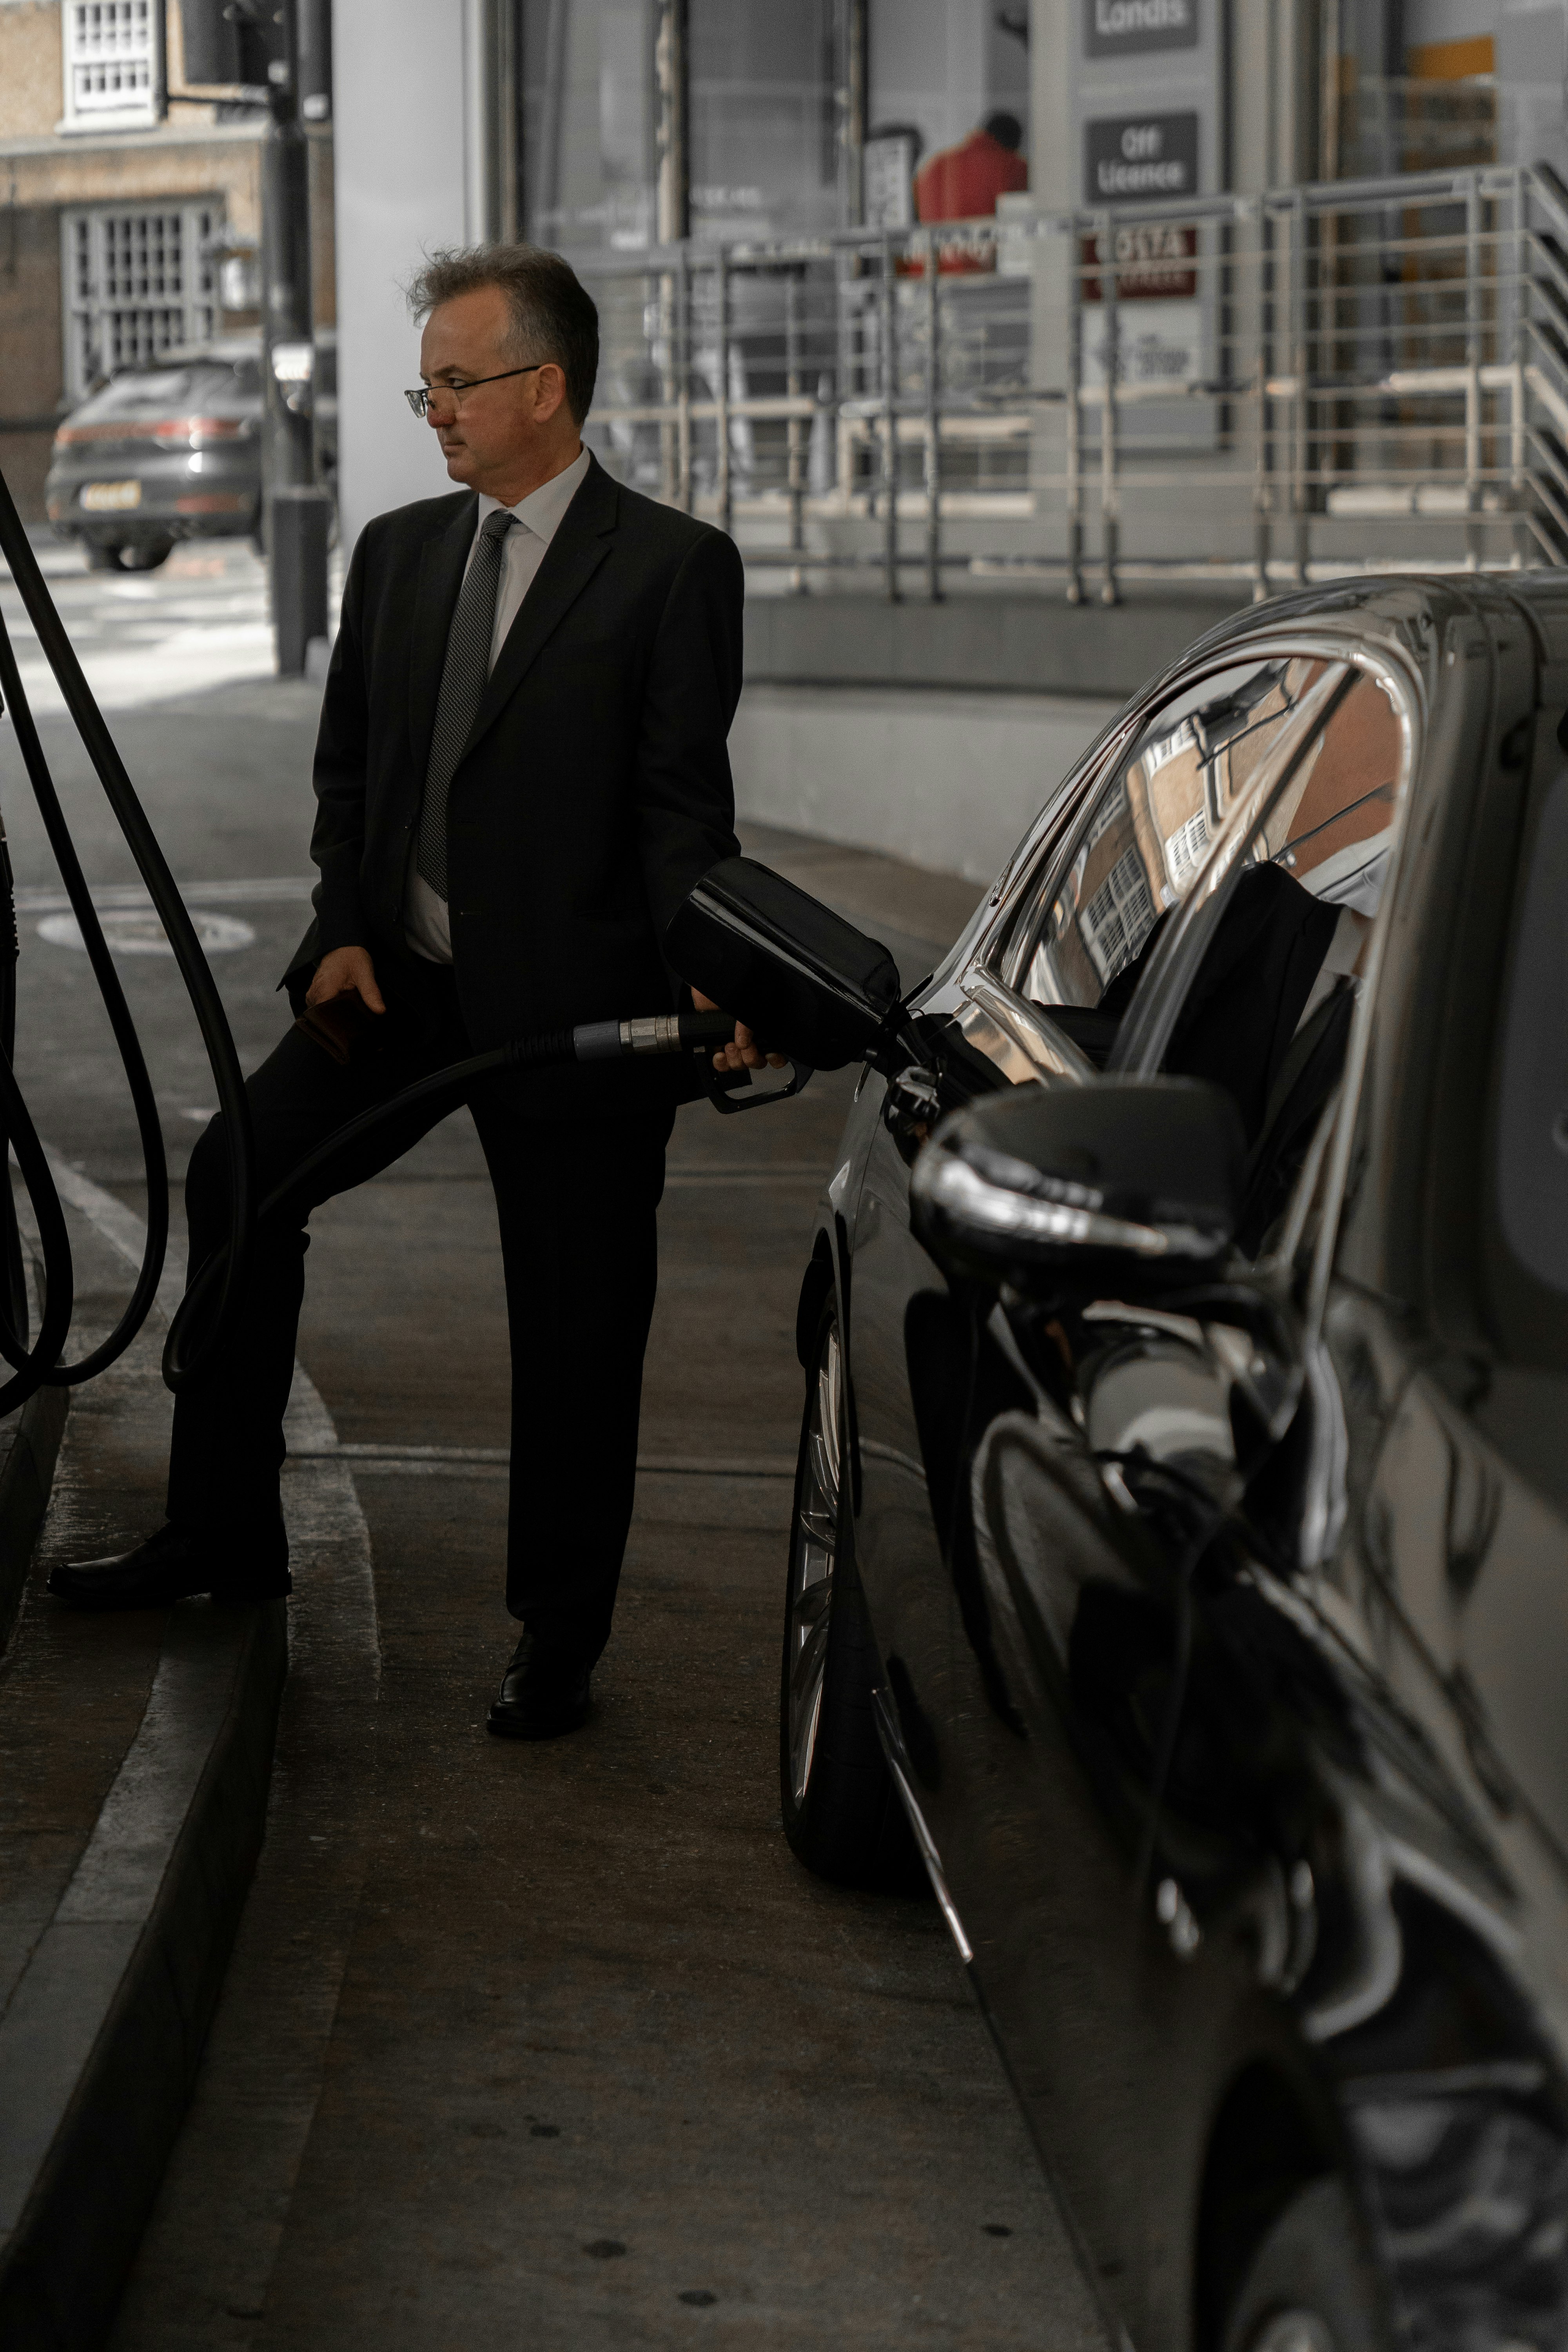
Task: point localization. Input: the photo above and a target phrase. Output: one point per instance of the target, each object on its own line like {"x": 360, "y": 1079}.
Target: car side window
{"x": 1084, "y": 935}
{"x": 1262, "y": 1000}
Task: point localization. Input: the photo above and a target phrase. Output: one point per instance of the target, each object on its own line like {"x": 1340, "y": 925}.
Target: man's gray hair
{"x": 552, "y": 315}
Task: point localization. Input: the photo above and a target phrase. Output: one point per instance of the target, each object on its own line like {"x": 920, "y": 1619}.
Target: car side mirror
{"x": 1113, "y": 1184}
{"x": 806, "y": 984}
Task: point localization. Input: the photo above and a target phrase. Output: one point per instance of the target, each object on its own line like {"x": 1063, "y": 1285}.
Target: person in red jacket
{"x": 962, "y": 182}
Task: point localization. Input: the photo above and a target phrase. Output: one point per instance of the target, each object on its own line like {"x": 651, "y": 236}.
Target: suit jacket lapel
{"x": 441, "y": 562}
{"x": 580, "y": 545}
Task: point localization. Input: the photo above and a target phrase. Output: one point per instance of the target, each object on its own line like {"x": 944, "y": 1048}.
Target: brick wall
{"x": 31, "y": 349}
{"x": 31, "y": 90}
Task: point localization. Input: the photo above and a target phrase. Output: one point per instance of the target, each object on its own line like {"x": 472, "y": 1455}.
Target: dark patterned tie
{"x": 463, "y": 682}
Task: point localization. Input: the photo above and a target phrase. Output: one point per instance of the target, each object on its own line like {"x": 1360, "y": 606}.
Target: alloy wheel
{"x": 816, "y": 1548}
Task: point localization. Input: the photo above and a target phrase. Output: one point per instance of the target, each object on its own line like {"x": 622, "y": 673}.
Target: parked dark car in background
{"x": 1181, "y": 1545}
{"x": 173, "y": 451}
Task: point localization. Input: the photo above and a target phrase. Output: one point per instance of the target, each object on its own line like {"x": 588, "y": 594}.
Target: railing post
{"x": 1301, "y": 494}
{"x": 1473, "y": 340}
{"x": 794, "y": 471}
{"x": 721, "y": 306}
{"x": 683, "y": 382}
{"x": 669, "y": 453}
{"x": 934, "y": 426}
{"x": 1518, "y": 413}
{"x": 1110, "y": 482}
{"x": 890, "y": 422}
{"x": 1074, "y": 450}
{"x": 1263, "y": 421}
{"x": 1262, "y": 518}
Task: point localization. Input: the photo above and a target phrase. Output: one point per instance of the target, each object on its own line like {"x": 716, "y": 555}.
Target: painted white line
{"x": 316, "y": 1848}
{"x": 457, "y": 1459}
{"x": 746, "y": 1168}
{"x": 136, "y": 930}
{"x": 120, "y": 1227}
{"x": 108, "y": 897}
{"x": 307, "y": 1425}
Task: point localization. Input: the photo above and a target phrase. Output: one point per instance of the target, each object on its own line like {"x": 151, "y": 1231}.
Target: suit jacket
{"x": 593, "y": 792}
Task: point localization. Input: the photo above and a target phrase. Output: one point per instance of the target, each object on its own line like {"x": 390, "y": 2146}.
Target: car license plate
{"x": 110, "y": 497}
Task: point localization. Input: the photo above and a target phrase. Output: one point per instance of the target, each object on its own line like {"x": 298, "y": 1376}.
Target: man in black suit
{"x": 522, "y": 771}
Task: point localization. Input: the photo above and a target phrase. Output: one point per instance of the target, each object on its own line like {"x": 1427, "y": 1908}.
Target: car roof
{"x": 1394, "y": 604}
{"x": 225, "y": 350}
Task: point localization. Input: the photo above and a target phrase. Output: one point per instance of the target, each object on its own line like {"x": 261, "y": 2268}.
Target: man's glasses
{"x": 419, "y": 401}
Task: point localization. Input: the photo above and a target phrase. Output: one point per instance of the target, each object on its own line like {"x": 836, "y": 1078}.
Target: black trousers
{"x": 576, "y": 1205}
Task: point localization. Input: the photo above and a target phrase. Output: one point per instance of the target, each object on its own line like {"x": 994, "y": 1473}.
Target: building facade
{"x": 130, "y": 209}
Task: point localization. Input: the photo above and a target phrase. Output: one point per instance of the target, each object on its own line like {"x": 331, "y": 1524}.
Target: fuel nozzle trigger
{"x": 724, "y": 1097}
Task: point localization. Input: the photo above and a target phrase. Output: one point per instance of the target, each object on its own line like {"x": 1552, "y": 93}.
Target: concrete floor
{"x": 552, "y": 2046}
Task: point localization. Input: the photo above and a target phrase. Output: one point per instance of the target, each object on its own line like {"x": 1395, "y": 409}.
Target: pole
{"x": 890, "y": 422}
{"x": 297, "y": 509}
{"x": 933, "y": 425}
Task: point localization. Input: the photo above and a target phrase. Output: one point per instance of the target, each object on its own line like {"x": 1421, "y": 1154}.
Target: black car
{"x": 173, "y": 451}
{"x": 1181, "y": 1540}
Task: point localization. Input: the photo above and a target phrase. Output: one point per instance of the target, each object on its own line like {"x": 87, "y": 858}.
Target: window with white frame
{"x": 111, "y": 62}
{"x": 138, "y": 280}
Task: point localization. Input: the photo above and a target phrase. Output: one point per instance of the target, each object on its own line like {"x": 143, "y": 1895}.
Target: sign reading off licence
{"x": 110, "y": 497}
{"x": 1133, "y": 157}
{"x": 1130, "y": 28}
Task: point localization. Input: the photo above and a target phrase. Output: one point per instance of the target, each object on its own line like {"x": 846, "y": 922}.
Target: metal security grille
{"x": 109, "y": 57}
{"x": 137, "y": 281}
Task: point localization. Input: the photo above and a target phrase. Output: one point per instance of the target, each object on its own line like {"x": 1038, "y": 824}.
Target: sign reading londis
{"x": 1128, "y": 28}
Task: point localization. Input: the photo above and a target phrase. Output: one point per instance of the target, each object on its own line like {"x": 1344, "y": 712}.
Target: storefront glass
{"x": 767, "y": 105}
{"x": 949, "y": 118}
{"x": 589, "y": 123}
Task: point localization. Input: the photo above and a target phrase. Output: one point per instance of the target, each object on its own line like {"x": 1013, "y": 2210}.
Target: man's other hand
{"x": 347, "y": 972}
{"x": 742, "y": 1053}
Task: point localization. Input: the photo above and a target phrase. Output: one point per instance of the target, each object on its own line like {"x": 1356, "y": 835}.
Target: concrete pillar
{"x": 410, "y": 176}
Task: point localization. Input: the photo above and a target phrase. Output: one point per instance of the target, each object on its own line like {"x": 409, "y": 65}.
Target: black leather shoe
{"x": 544, "y": 1692}
{"x": 173, "y": 1565}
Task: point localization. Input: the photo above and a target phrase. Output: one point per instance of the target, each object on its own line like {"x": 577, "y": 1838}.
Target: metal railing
{"x": 1274, "y": 388}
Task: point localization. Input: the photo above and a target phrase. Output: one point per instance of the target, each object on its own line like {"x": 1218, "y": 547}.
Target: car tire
{"x": 841, "y": 1812}
{"x": 100, "y": 559}
{"x": 1310, "y": 2286}
{"x": 145, "y": 554}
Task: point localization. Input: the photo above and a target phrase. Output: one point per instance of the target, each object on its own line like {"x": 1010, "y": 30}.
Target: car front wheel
{"x": 841, "y": 1811}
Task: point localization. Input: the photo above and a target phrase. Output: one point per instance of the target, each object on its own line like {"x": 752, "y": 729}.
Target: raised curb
{"x": 100, "y": 2046}
{"x": 30, "y": 1446}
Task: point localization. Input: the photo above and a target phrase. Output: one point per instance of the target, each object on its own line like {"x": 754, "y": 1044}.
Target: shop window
{"x": 949, "y": 129}
{"x": 590, "y": 118}
{"x": 138, "y": 281}
{"x": 766, "y": 105}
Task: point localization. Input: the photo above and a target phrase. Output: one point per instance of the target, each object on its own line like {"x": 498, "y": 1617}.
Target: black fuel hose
{"x": 37, "y": 1367}
{"x": 589, "y": 1041}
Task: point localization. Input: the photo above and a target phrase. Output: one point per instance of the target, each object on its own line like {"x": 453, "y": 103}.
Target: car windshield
{"x": 172, "y": 391}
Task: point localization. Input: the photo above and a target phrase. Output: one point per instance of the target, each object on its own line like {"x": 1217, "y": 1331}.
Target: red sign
{"x": 1153, "y": 263}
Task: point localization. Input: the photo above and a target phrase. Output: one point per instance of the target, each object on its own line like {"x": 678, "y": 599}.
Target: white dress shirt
{"x": 536, "y": 519}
